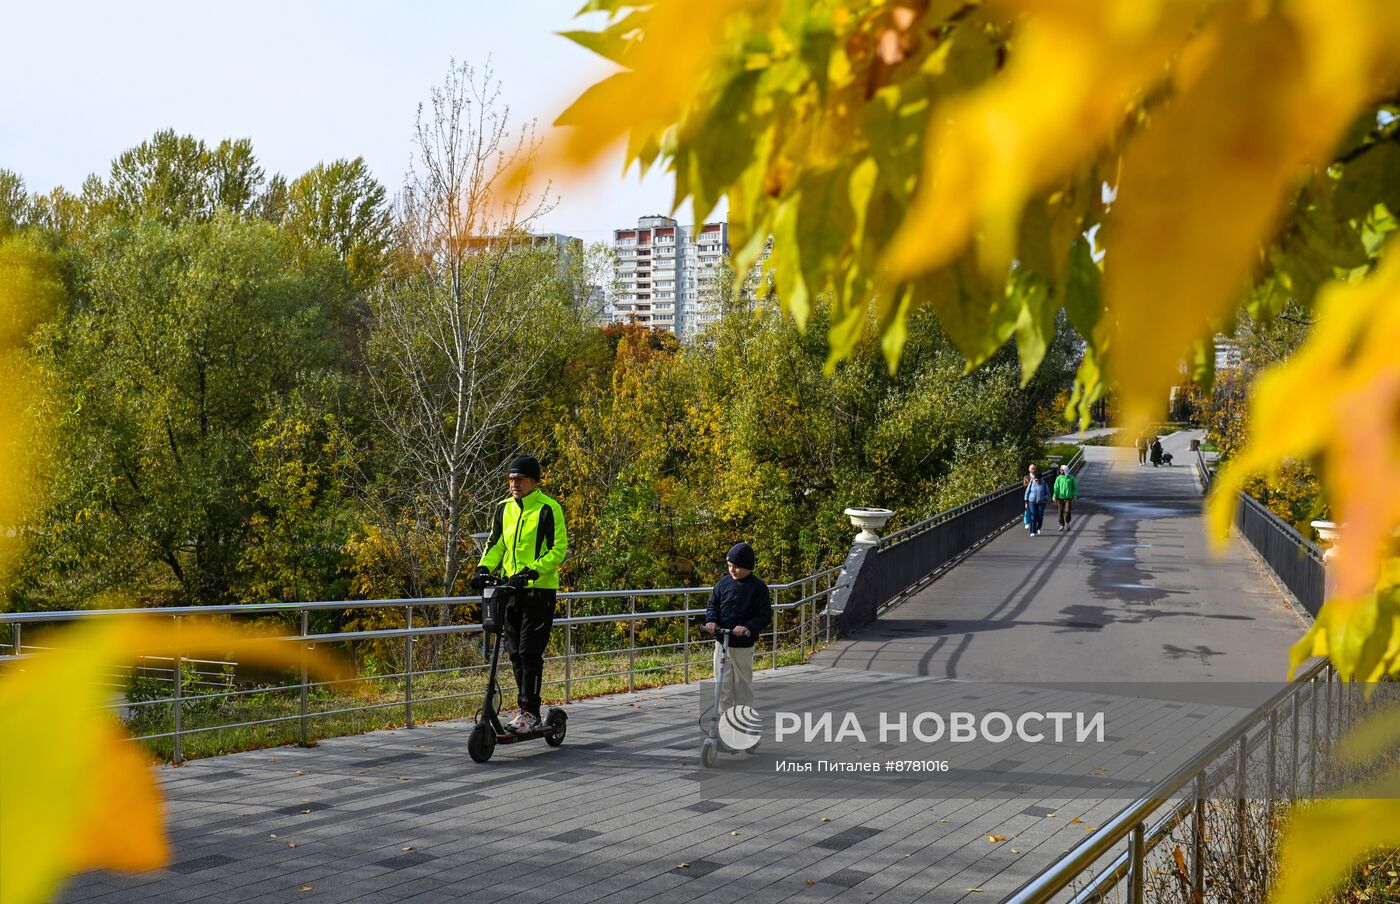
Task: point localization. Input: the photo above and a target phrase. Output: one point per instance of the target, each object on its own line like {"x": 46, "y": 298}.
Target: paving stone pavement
{"x": 621, "y": 813}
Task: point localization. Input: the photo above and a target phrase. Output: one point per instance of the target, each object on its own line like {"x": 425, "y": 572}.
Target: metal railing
{"x": 1203, "y": 471}
{"x": 1294, "y": 559}
{"x": 1208, "y": 831}
{"x": 907, "y": 558}
{"x": 639, "y": 635}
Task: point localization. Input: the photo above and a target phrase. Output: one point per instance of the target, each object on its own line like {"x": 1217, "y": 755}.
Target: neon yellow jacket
{"x": 528, "y": 534}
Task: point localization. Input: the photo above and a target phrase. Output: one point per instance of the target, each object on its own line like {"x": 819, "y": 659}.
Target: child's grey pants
{"x": 737, "y": 689}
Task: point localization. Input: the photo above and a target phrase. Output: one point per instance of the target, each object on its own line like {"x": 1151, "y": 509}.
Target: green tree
{"x": 342, "y": 207}
{"x": 174, "y": 178}
{"x": 303, "y": 515}
{"x": 14, "y": 201}
{"x": 183, "y": 339}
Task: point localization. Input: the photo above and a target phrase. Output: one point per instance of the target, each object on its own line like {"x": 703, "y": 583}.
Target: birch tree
{"x": 463, "y": 331}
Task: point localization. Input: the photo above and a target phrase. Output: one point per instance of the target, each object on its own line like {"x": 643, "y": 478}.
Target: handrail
{"x": 1283, "y": 527}
{"x": 808, "y": 600}
{"x": 945, "y": 515}
{"x": 1043, "y": 886}
{"x": 1075, "y": 462}
{"x": 322, "y": 605}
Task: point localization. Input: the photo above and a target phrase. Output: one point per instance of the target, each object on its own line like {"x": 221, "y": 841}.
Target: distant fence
{"x": 877, "y": 573}
{"x": 642, "y": 636}
{"x": 1294, "y": 559}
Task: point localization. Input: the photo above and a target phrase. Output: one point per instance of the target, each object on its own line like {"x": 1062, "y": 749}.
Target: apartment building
{"x": 667, "y": 276}
{"x": 649, "y": 272}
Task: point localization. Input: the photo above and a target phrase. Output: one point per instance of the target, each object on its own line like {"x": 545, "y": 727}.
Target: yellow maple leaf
{"x": 1208, "y": 180}
{"x": 1338, "y": 398}
{"x": 665, "y": 50}
{"x": 1323, "y": 839}
{"x": 1076, "y": 68}
{"x": 89, "y": 799}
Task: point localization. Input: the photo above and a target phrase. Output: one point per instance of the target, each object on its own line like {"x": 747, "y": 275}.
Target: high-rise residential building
{"x": 649, "y": 272}
{"x": 708, "y": 252}
{"x": 667, "y": 278}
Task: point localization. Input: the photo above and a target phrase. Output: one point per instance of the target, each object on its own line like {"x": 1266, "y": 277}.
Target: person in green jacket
{"x": 528, "y": 542}
{"x": 1066, "y": 491}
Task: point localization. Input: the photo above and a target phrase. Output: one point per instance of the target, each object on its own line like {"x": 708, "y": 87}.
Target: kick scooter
{"x": 712, "y": 744}
{"x": 496, "y": 598}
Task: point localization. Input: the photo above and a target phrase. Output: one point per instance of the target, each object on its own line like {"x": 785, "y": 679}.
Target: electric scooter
{"x": 712, "y": 745}
{"x": 496, "y": 598}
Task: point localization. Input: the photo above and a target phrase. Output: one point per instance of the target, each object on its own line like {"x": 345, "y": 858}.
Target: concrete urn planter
{"x": 1327, "y": 532}
{"x": 869, "y": 520}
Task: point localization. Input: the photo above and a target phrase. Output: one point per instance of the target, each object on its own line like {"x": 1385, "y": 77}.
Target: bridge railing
{"x": 878, "y": 575}
{"x": 1209, "y": 830}
{"x": 426, "y": 660}
{"x": 1295, "y": 560}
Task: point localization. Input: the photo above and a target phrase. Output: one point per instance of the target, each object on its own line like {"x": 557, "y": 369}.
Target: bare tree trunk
{"x": 462, "y": 329}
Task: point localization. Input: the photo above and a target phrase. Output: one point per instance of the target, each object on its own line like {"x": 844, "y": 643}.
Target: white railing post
{"x": 305, "y": 647}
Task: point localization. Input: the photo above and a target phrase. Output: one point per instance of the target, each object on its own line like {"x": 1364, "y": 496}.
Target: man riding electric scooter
{"x": 527, "y": 544}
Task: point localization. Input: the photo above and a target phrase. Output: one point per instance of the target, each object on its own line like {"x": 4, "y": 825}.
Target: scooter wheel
{"x": 708, "y": 751}
{"x": 559, "y": 725}
{"x": 481, "y": 743}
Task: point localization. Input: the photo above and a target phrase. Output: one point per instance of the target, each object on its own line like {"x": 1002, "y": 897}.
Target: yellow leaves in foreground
{"x": 1325, "y": 838}
{"x": 1338, "y": 398}
{"x": 1076, "y": 69}
{"x": 653, "y": 90}
{"x": 1207, "y": 181}
{"x": 30, "y": 290}
{"x": 76, "y": 794}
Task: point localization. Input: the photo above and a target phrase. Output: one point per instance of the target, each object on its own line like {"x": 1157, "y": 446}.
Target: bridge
{"x": 621, "y": 812}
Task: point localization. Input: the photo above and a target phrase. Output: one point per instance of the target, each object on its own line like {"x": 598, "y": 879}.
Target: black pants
{"x": 1064, "y": 511}
{"x": 527, "y": 634}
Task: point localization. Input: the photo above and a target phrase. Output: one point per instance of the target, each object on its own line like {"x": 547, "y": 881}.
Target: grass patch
{"x": 373, "y": 703}
{"x": 1064, "y": 451}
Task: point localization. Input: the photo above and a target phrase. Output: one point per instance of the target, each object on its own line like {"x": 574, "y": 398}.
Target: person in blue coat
{"x": 1037, "y": 494}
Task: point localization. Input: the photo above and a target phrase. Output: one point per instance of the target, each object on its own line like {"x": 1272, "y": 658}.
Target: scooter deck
{"x": 510, "y": 737}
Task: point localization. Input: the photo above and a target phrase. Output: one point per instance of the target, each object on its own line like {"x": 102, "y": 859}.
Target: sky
{"x": 306, "y": 80}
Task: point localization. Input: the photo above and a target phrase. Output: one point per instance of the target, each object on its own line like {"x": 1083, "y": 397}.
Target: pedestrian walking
{"x": 1036, "y": 495}
{"x": 1142, "y": 448}
{"x": 1156, "y": 452}
{"x": 1065, "y": 492}
{"x": 1026, "y": 514}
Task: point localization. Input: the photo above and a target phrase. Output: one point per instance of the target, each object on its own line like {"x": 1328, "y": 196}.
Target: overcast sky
{"x": 306, "y": 80}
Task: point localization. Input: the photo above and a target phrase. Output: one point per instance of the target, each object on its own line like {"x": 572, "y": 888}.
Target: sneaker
{"x": 526, "y": 722}
{"x": 514, "y": 724}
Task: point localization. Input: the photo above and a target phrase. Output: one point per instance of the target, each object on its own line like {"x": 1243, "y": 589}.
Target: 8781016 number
{"x": 916, "y": 765}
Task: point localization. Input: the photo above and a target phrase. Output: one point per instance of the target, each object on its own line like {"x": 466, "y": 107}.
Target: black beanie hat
{"x": 526, "y": 466}
{"x": 741, "y": 556}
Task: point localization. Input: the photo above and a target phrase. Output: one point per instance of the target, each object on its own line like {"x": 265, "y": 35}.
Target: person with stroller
{"x": 1037, "y": 493}
{"x": 1156, "y": 452}
{"x": 527, "y": 544}
{"x": 741, "y": 602}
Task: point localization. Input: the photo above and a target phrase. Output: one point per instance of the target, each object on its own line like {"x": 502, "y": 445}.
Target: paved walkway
{"x": 621, "y": 813}
{"x": 1131, "y": 592}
